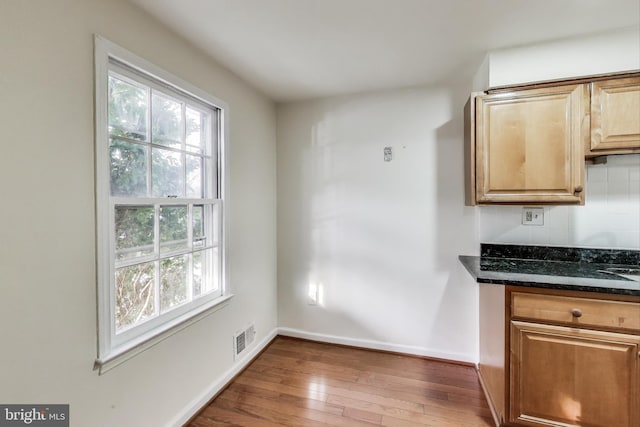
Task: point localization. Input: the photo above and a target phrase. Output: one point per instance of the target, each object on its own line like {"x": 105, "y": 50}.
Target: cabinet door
{"x": 573, "y": 377}
{"x": 615, "y": 115}
{"x": 530, "y": 145}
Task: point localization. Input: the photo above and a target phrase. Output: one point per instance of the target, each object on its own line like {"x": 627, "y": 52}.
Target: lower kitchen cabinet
{"x": 567, "y": 358}
{"x": 568, "y": 376}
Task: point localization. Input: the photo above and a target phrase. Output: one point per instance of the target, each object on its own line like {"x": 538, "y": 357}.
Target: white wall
{"x": 603, "y": 53}
{"x": 381, "y": 239}
{"x": 47, "y": 243}
{"x": 611, "y": 215}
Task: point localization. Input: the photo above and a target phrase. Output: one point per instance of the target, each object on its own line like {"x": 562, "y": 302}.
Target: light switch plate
{"x": 388, "y": 154}
{"x": 532, "y": 216}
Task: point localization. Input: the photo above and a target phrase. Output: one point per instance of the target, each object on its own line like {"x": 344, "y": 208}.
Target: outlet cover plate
{"x": 532, "y": 216}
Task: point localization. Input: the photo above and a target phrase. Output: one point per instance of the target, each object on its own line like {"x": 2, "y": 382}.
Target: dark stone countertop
{"x": 575, "y": 269}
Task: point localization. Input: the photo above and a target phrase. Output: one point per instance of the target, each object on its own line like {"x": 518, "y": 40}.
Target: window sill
{"x": 121, "y": 354}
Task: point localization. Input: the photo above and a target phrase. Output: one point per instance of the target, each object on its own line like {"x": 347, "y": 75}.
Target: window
{"x": 159, "y": 192}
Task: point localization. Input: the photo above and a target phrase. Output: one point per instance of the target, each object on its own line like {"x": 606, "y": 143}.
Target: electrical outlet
{"x": 532, "y": 216}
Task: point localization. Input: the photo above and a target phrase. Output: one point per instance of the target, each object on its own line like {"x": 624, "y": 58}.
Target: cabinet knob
{"x": 578, "y": 189}
{"x": 576, "y": 312}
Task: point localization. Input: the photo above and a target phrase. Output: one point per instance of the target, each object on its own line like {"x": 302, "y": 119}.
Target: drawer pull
{"x": 576, "y": 312}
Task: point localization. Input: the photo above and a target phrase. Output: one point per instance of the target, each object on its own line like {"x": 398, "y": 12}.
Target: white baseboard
{"x": 379, "y": 345}
{"x": 197, "y": 404}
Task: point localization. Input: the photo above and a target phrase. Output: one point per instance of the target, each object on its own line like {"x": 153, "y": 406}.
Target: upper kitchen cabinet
{"x": 529, "y": 146}
{"x": 615, "y": 117}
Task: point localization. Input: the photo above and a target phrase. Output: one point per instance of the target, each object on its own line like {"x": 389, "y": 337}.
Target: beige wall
{"x": 47, "y": 236}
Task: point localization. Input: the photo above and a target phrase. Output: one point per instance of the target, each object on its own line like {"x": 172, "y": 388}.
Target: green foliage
{"x": 134, "y": 229}
{"x": 167, "y": 176}
{"x": 127, "y": 110}
{"x": 134, "y": 294}
{"x": 173, "y": 228}
{"x": 128, "y": 168}
{"x": 173, "y": 281}
{"x": 166, "y": 121}
{"x": 132, "y": 166}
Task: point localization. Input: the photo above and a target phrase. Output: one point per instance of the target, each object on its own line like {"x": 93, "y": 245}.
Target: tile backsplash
{"x": 610, "y": 217}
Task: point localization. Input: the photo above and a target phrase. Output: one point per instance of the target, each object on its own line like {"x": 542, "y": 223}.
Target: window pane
{"x": 199, "y": 239}
{"x": 134, "y": 231}
{"x": 205, "y": 277}
{"x": 167, "y": 173}
{"x": 210, "y": 269}
{"x": 194, "y": 130}
{"x": 194, "y": 176}
{"x": 167, "y": 121}
{"x": 197, "y": 274}
{"x": 173, "y": 228}
{"x": 173, "y": 281}
{"x": 128, "y": 168}
{"x": 134, "y": 294}
{"x": 216, "y": 227}
{"x": 127, "y": 110}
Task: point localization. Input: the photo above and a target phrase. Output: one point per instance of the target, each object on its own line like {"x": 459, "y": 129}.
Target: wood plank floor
{"x": 302, "y": 383}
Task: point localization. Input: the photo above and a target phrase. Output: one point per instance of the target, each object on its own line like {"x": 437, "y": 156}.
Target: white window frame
{"x": 114, "y": 348}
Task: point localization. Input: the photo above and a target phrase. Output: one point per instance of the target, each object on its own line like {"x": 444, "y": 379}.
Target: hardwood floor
{"x": 302, "y": 383}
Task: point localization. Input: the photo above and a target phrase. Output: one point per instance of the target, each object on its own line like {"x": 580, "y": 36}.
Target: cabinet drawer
{"x": 578, "y": 311}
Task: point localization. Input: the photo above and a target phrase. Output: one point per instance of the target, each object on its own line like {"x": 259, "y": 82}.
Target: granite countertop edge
{"x": 619, "y": 287}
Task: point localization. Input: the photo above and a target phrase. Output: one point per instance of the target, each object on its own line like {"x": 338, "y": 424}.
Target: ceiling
{"x": 297, "y": 49}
